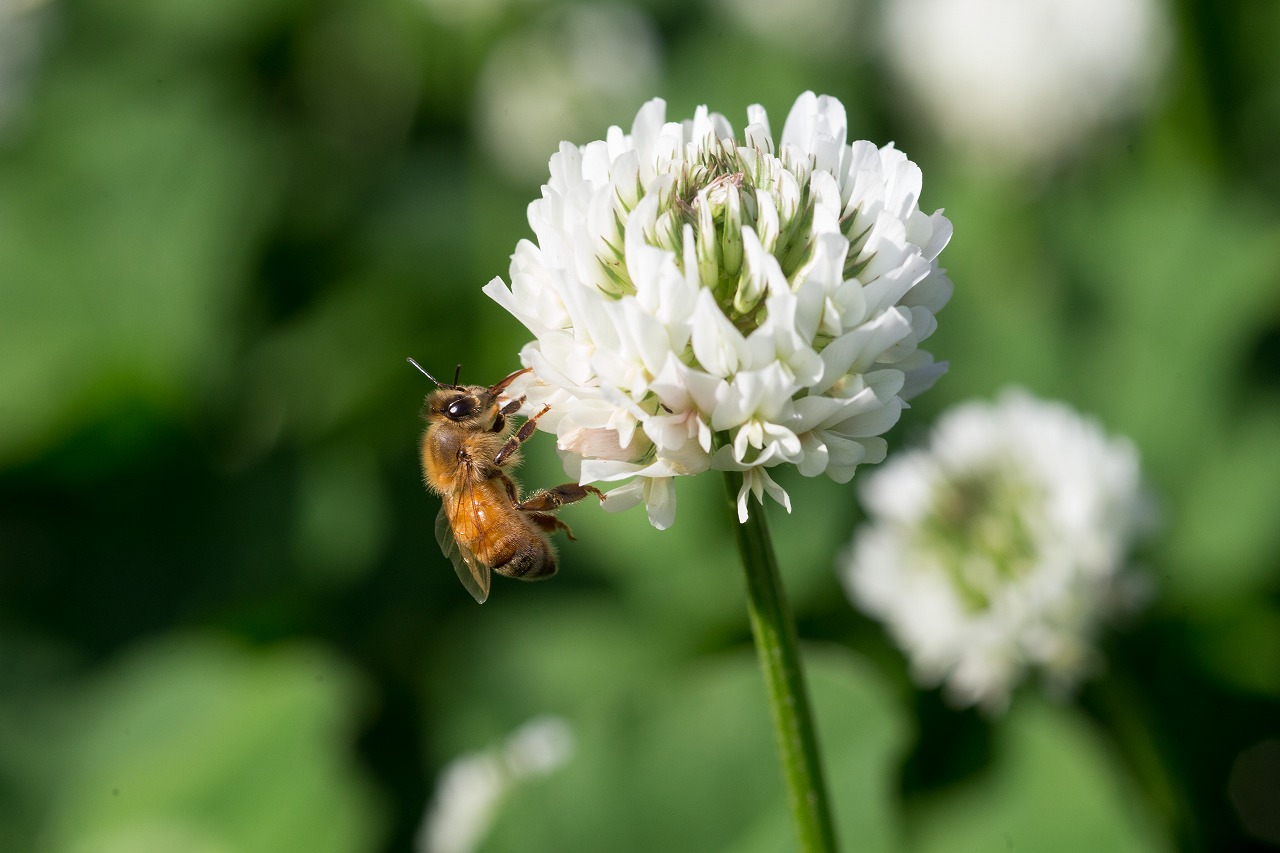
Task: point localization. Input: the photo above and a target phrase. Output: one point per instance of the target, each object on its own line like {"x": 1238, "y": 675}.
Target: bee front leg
{"x": 500, "y": 420}
{"x": 513, "y": 443}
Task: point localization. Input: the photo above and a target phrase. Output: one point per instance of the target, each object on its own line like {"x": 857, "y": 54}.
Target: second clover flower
{"x": 1002, "y": 547}
{"x": 700, "y": 301}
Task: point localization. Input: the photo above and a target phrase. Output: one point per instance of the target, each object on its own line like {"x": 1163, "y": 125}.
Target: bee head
{"x": 472, "y": 406}
{"x": 467, "y": 406}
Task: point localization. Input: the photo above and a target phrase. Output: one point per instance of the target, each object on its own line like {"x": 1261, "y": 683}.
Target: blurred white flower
{"x": 701, "y": 301}
{"x": 1001, "y": 546}
{"x": 21, "y": 28}
{"x": 471, "y": 788}
{"x": 1026, "y": 80}
{"x": 560, "y": 79}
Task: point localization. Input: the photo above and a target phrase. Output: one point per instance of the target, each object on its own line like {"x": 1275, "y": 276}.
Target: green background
{"x": 224, "y": 621}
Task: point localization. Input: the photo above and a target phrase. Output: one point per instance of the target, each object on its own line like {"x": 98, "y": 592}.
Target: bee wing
{"x": 473, "y": 573}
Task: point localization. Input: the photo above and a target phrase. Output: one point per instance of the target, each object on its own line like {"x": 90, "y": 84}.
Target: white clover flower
{"x": 471, "y": 788}
{"x": 1001, "y": 546}
{"x": 1026, "y": 81}
{"x": 701, "y": 301}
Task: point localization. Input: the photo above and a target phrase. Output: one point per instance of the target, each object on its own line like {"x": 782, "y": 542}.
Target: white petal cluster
{"x": 1001, "y": 546}
{"x": 702, "y": 301}
{"x": 1026, "y": 81}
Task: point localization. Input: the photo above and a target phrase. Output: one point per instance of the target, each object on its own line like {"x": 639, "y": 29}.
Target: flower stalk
{"x": 774, "y": 630}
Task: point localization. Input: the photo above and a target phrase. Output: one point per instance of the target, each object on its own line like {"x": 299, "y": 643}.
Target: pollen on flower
{"x": 722, "y": 302}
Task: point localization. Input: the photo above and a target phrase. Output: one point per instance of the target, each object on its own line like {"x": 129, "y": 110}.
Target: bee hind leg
{"x": 550, "y": 524}
{"x": 550, "y": 500}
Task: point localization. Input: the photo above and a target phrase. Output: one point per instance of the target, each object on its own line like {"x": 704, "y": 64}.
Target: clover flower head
{"x": 1001, "y": 546}
{"x": 703, "y": 301}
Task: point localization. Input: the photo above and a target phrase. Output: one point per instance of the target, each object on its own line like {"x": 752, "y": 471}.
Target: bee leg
{"x": 513, "y": 443}
{"x": 550, "y": 524}
{"x": 551, "y": 500}
{"x": 500, "y": 421}
{"x": 510, "y": 486}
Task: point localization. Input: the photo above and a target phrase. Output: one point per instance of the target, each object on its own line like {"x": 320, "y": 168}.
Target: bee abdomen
{"x": 531, "y": 559}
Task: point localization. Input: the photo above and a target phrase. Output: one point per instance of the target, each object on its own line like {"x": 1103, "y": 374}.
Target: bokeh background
{"x": 224, "y": 621}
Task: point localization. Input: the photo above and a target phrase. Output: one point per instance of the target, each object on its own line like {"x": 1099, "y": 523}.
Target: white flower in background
{"x": 1001, "y": 546}
{"x": 1023, "y": 81}
{"x": 704, "y": 301}
{"x": 21, "y": 28}
{"x": 471, "y": 788}
{"x": 560, "y": 79}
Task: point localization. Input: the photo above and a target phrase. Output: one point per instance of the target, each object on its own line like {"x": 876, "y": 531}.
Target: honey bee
{"x": 468, "y": 451}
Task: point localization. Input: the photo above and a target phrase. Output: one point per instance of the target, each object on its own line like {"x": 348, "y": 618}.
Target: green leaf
{"x": 129, "y": 215}
{"x": 1223, "y": 539}
{"x": 196, "y": 745}
{"x": 535, "y": 649}
{"x": 1053, "y": 787}
{"x": 1241, "y": 644}
{"x": 1182, "y": 275}
{"x": 341, "y": 523}
{"x": 690, "y": 764}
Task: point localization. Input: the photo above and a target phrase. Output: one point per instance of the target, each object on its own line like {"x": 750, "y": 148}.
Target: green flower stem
{"x": 774, "y": 630}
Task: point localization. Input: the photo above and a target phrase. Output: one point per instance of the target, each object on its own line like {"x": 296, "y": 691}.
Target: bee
{"x": 468, "y": 452}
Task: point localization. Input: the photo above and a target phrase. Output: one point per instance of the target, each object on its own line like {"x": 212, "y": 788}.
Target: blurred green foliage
{"x": 190, "y": 744}
{"x": 224, "y": 621}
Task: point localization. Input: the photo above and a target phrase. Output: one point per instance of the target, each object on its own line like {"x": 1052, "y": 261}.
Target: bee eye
{"x": 460, "y": 408}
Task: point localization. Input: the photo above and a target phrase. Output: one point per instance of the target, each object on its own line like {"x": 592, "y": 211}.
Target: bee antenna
{"x": 424, "y": 372}
{"x": 457, "y": 371}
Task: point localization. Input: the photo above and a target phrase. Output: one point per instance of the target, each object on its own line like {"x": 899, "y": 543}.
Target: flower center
{"x": 978, "y": 531}
{"x": 713, "y": 193}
